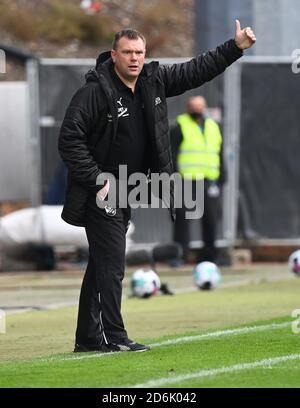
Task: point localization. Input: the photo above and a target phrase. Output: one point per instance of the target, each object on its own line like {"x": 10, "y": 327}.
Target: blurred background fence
{"x": 260, "y": 121}
{"x": 255, "y": 101}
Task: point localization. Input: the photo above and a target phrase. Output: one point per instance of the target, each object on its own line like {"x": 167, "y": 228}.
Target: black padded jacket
{"x": 91, "y": 120}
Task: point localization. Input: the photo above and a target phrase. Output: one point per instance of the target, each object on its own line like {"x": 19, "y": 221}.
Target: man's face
{"x": 129, "y": 58}
{"x": 196, "y": 108}
{"x": 196, "y": 104}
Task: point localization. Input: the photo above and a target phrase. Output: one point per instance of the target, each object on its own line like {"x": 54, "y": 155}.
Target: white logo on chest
{"x": 122, "y": 111}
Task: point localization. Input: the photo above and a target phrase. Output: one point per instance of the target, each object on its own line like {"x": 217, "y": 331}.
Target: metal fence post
{"x": 32, "y": 69}
{"x": 232, "y": 99}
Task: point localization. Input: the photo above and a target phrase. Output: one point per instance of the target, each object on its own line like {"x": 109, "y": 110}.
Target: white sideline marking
{"x": 229, "y": 332}
{"x": 180, "y": 340}
{"x": 216, "y": 371}
{"x": 50, "y": 306}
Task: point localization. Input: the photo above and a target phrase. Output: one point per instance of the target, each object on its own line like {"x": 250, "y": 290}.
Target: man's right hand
{"x": 244, "y": 38}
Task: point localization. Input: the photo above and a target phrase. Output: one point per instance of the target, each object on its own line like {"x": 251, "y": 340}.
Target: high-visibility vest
{"x": 199, "y": 154}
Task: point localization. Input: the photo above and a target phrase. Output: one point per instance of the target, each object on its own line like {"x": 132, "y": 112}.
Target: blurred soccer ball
{"x": 294, "y": 262}
{"x": 206, "y": 275}
{"x": 145, "y": 283}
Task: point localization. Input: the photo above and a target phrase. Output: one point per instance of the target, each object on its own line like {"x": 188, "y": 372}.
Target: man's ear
{"x": 113, "y": 55}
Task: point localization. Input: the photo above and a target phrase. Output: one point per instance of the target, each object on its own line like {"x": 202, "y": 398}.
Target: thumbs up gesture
{"x": 244, "y": 38}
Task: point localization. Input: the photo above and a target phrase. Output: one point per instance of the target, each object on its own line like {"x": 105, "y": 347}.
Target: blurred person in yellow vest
{"x": 197, "y": 154}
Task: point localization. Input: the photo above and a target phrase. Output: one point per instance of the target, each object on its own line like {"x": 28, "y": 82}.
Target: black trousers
{"x": 99, "y": 315}
{"x": 209, "y": 223}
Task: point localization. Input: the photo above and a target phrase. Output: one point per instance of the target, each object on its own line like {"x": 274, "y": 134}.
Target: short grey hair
{"x": 128, "y": 33}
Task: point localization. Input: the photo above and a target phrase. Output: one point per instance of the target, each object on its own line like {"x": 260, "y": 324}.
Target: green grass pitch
{"x": 232, "y": 337}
